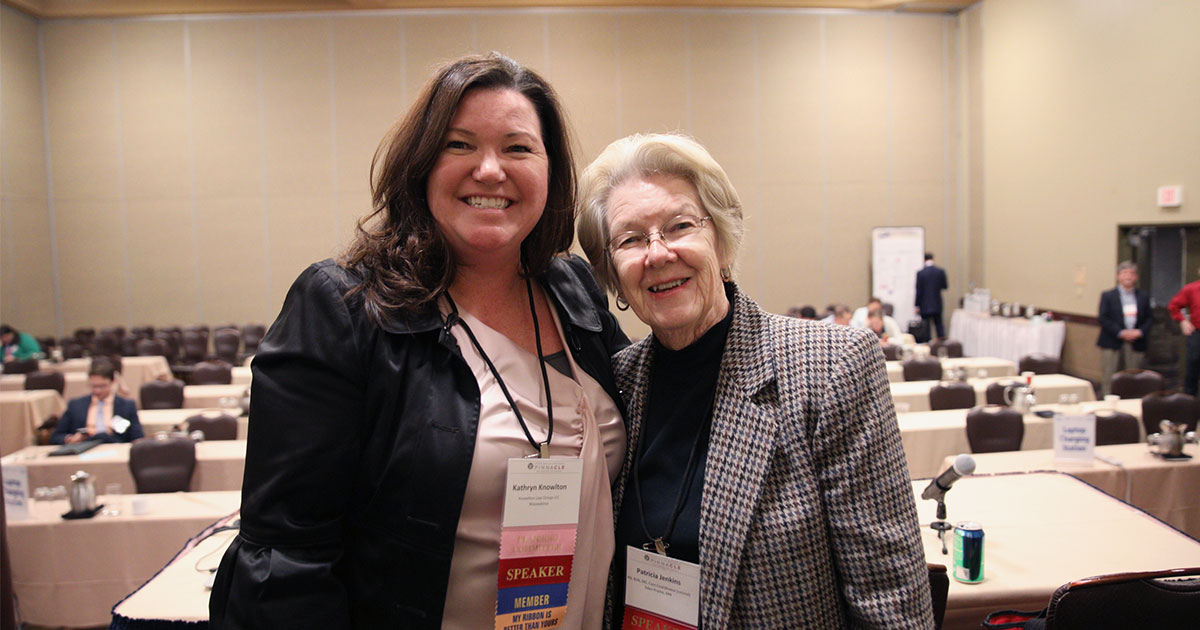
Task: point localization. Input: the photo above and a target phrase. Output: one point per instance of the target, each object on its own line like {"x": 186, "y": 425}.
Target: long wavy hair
{"x": 399, "y": 252}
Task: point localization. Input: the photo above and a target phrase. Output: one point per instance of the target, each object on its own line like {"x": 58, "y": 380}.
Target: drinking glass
{"x": 112, "y": 495}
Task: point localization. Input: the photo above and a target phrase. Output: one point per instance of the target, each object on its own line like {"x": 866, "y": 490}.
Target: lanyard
{"x": 661, "y": 544}
{"x": 543, "y": 449}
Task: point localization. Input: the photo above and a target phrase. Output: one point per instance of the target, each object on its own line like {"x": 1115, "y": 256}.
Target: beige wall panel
{"x": 22, "y": 154}
{"x": 654, "y": 79}
{"x": 919, "y": 107}
{"x": 26, "y": 280}
{"x": 225, "y": 101}
{"x": 793, "y": 248}
{"x": 299, "y": 232}
{"x": 432, "y": 40}
{"x": 857, "y": 62}
{"x": 81, "y": 79}
{"x": 971, "y": 148}
{"x": 583, "y": 70}
{"x": 369, "y": 95}
{"x": 350, "y": 206}
{"x": 91, "y": 263}
{"x": 233, "y": 261}
{"x": 162, "y": 255}
{"x": 298, "y": 127}
{"x": 152, "y": 88}
{"x": 792, "y": 100}
{"x": 521, "y": 36}
{"x": 633, "y": 327}
{"x": 854, "y": 210}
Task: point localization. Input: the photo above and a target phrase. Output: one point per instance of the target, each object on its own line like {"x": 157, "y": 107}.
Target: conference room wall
{"x": 1088, "y": 108}
{"x": 198, "y": 164}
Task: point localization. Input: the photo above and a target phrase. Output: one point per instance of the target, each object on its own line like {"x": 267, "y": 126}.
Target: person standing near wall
{"x": 931, "y": 281}
{"x": 1124, "y": 316}
{"x": 1189, "y": 298}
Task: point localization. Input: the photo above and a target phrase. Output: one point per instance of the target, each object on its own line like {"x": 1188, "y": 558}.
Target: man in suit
{"x": 931, "y": 281}
{"x": 1124, "y": 324}
{"x": 102, "y": 416}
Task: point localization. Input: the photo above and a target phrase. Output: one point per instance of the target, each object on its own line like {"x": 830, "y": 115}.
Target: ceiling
{"x": 125, "y": 8}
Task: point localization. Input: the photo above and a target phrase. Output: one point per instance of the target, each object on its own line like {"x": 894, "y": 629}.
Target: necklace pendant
{"x": 658, "y": 546}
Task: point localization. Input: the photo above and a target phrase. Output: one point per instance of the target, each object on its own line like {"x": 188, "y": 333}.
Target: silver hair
{"x": 1126, "y": 264}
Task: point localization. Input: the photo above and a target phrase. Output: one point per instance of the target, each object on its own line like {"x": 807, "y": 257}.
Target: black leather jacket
{"x": 359, "y": 450}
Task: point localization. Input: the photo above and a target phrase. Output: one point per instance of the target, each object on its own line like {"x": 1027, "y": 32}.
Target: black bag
{"x": 919, "y": 329}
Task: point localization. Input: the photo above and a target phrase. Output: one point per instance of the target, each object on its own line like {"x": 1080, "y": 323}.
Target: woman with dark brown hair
{"x": 399, "y": 384}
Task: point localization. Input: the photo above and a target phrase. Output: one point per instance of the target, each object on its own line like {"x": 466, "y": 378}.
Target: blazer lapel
{"x": 739, "y": 454}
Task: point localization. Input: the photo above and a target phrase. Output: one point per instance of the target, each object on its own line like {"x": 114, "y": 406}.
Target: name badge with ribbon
{"x": 537, "y": 541}
{"x": 660, "y": 592}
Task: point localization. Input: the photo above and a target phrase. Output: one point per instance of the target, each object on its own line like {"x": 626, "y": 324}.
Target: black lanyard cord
{"x": 543, "y": 449}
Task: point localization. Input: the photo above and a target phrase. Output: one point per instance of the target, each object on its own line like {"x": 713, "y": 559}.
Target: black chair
{"x": 129, "y": 346}
{"x": 221, "y": 427}
{"x": 891, "y": 352}
{"x": 939, "y": 589}
{"x": 1153, "y": 599}
{"x": 252, "y": 335}
{"x": 926, "y": 369}
{"x": 162, "y": 463}
{"x": 225, "y": 344}
{"x": 106, "y": 344}
{"x": 21, "y": 366}
{"x": 1136, "y": 383}
{"x": 72, "y": 350}
{"x": 1114, "y": 427}
{"x": 994, "y": 429}
{"x": 142, "y": 332}
{"x": 1176, "y": 407}
{"x": 994, "y": 394}
{"x": 194, "y": 347}
{"x": 46, "y": 380}
{"x": 1039, "y": 363}
{"x": 951, "y": 395}
{"x": 162, "y": 395}
{"x": 212, "y": 373}
{"x": 953, "y": 348}
{"x": 151, "y": 347}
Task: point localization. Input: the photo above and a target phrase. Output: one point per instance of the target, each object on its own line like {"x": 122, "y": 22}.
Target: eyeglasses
{"x": 676, "y": 228}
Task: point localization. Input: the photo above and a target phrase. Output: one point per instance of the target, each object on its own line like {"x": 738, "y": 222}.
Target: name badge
{"x": 537, "y": 542}
{"x": 660, "y": 592}
{"x": 1130, "y": 310}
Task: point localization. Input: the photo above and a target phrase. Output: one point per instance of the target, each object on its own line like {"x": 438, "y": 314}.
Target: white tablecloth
{"x": 157, "y": 420}
{"x": 1006, "y": 337}
{"x": 977, "y": 367}
{"x": 20, "y": 414}
{"x": 75, "y": 384}
{"x": 914, "y": 395}
{"x": 219, "y": 466}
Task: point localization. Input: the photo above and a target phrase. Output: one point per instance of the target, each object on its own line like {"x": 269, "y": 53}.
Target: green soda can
{"x": 968, "y": 552}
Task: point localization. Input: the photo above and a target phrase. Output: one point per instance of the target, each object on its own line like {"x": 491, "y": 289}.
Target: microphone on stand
{"x": 963, "y": 465}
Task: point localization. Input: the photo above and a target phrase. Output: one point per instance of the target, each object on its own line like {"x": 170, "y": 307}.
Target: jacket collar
{"x": 560, "y": 283}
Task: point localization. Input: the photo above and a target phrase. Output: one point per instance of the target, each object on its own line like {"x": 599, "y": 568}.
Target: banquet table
{"x": 914, "y": 395}
{"x": 930, "y": 437}
{"x": 202, "y": 396}
{"x": 1042, "y": 530}
{"x": 241, "y": 375}
{"x": 983, "y": 335}
{"x": 135, "y": 371}
{"x": 160, "y": 420}
{"x": 1166, "y": 489}
{"x": 71, "y": 572}
{"x": 219, "y": 466}
{"x": 977, "y": 367}
{"x": 75, "y": 384}
{"x": 20, "y": 414}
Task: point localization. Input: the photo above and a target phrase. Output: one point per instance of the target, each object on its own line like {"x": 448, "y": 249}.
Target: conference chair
{"x": 252, "y": 335}
{"x": 225, "y": 344}
{"x": 1115, "y": 427}
{"x": 1136, "y": 383}
{"x": 47, "y": 343}
{"x": 953, "y": 348}
{"x": 1040, "y": 363}
{"x": 1176, "y": 407}
{"x": 212, "y": 373}
{"x": 1150, "y": 599}
{"x": 993, "y": 429}
{"x": 72, "y": 350}
{"x": 994, "y": 394}
{"x": 21, "y": 366}
{"x": 951, "y": 395}
{"x": 221, "y": 427}
{"x": 105, "y": 344}
{"x": 162, "y": 395}
{"x": 199, "y": 329}
{"x": 151, "y": 347}
{"x": 891, "y": 352}
{"x": 114, "y": 331}
{"x": 939, "y": 589}
{"x": 194, "y": 347}
{"x": 925, "y": 369}
{"x": 162, "y": 463}
{"x": 85, "y": 336}
{"x": 46, "y": 380}
{"x": 142, "y": 332}
{"x": 170, "y": 345}
{"x": 129, "y": 346}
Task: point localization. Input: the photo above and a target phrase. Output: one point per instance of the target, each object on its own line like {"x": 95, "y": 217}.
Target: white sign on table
{"x": 1074, "y": 438}
{"x": 16, "y": 492}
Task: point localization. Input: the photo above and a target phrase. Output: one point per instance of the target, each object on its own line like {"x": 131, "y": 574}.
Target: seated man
{"x": 103, "y": 416}
{"x": 883, "y": 326}
{"x": 840, "y": 315}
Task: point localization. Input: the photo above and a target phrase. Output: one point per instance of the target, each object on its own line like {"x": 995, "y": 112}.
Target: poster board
{"x": 897, "y": 254}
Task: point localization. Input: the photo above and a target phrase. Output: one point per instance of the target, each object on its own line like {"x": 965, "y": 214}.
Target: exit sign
{"x": 1170, "y": 196}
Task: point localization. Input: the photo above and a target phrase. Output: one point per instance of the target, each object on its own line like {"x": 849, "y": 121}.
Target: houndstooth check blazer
{"x": 807, "y": 516}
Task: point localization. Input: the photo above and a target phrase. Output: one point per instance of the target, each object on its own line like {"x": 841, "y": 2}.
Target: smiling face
{"x": 675, "y": 288}
{"x": 488, "y": 187}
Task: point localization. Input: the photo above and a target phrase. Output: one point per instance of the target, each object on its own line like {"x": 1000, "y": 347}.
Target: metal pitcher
{"x": 1019, "y": 397}
{"x": 83, "y": 493}
{"x": 1170, "y": 439}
